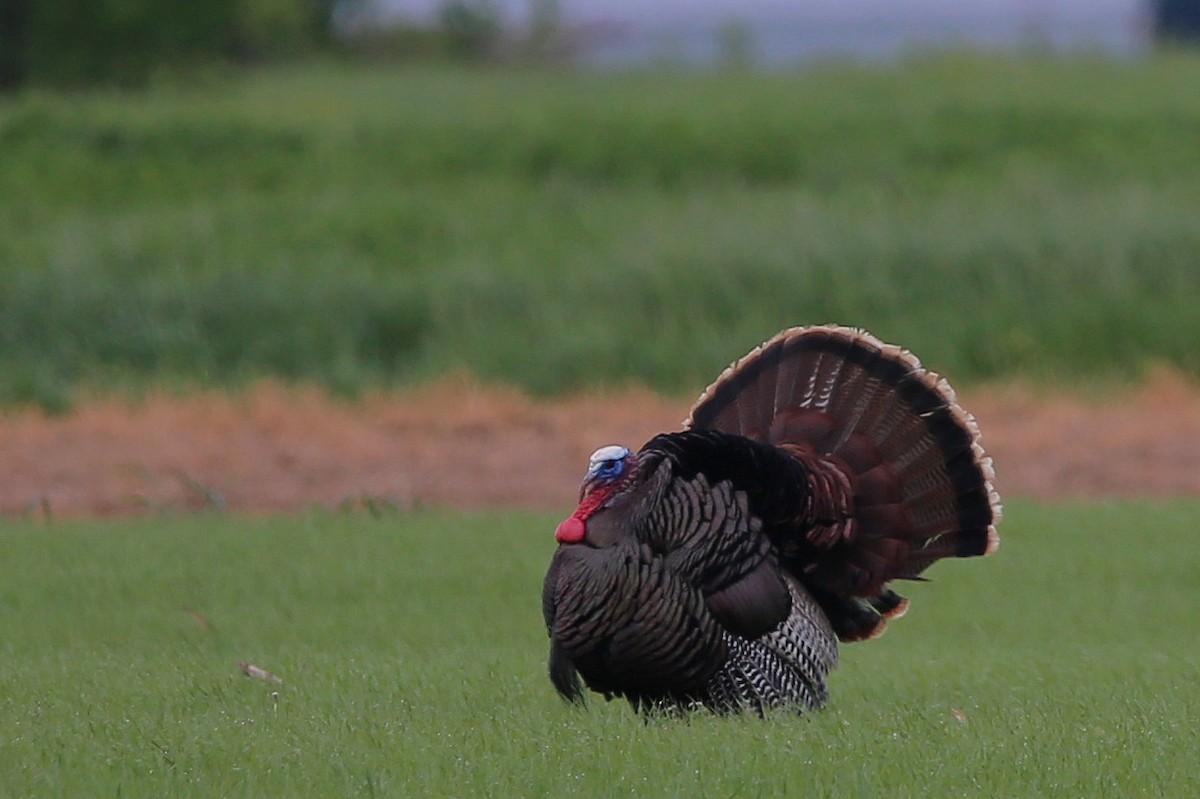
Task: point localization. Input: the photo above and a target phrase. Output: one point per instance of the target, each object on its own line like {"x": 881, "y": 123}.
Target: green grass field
{"x": 361, "y": 227}
{"x": 370, "y": 226}
{"x": 411, "y": 649}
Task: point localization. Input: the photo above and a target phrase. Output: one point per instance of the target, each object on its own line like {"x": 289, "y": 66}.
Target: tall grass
{"x": 362, "y": 227}
{"x": 412, "y": 653}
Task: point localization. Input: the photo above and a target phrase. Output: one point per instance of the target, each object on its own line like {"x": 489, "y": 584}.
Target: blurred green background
{"x": 206, "y": 196}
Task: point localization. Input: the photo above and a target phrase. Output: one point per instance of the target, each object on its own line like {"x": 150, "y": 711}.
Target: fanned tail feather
{"x": 921, "y": 482}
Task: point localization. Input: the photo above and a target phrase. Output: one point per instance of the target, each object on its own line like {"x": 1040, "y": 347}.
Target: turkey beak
{"x": 587, "y": 487}
{"x": 590, "y": 481}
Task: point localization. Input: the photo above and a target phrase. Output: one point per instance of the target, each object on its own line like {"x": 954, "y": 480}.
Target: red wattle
{"x": 570, "y": 531}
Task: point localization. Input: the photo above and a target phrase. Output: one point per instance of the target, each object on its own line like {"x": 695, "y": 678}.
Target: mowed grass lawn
{"x": 412, "y": 653}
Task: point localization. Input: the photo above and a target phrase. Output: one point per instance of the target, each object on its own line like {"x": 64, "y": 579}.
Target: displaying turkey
{"x": 719, "y": 566}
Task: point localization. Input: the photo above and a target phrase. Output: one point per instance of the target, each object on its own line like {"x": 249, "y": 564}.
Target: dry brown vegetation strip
{"x": 461, "y": 445}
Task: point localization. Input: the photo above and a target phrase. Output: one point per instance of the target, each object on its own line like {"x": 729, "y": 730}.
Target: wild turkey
{"x": 719, "y": 566}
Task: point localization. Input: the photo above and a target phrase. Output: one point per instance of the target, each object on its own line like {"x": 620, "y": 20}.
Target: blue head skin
{"x": 606, "y": 467}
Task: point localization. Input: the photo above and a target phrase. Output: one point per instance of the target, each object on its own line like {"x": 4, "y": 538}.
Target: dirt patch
{"x": 456, "y": 444}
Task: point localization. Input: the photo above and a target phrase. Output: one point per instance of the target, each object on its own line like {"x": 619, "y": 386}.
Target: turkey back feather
{"x": 897, "y": 478}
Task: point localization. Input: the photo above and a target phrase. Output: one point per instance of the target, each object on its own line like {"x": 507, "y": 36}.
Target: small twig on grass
{"x": 378, "y": 505}
{"x": 201, "y": 620}
{"x": 213, "y": 498}
{"x": 259, "y": 673}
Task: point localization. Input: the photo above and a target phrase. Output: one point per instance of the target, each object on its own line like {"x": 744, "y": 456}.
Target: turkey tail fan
{"x": 840, "y": 399}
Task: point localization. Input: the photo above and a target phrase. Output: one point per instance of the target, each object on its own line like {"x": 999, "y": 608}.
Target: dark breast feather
{"x": 705, "y": 520}
{"x": 627, "y": 623}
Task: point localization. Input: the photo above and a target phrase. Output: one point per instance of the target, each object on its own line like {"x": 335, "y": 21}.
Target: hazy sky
{"x": 715, "y": 10}
{"x": 787, "y": 29}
